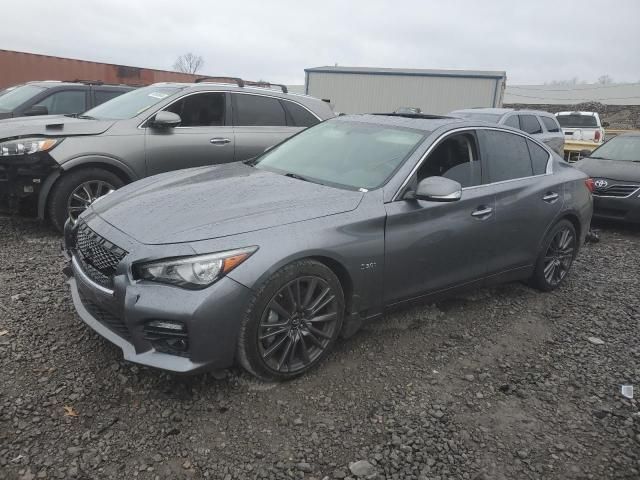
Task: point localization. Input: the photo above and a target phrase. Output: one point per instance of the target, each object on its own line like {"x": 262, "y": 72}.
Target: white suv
{"x": 581, "y": 126}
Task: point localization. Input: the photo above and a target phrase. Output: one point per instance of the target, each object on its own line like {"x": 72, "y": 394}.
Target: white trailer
{"x": 368, "y": 90}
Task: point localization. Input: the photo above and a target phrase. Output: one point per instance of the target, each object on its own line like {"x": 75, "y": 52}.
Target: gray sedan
{"x": 267, "y": 262}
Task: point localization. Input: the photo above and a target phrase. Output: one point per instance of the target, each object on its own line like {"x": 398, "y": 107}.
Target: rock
{"x": 339, "y": 474}
{"x": 469, "y": 378}
{"x": 595, "y": 341}
{"x": 304, "y": 467}
{"x": 522, "y": 454}
{"x": 362, "y": 468}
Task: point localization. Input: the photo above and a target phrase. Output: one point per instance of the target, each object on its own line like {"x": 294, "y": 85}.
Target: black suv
{"x": 52, "y": 97}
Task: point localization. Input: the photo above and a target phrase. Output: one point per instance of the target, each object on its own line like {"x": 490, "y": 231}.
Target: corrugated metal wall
{"x": 362, "y": 93}
{"x": 19, "y": 67}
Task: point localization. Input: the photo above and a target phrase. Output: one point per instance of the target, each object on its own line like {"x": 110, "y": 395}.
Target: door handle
{"x": 550, "y": 197}
{"x": 482, "y": 212}
{"x": 219, "y": 141}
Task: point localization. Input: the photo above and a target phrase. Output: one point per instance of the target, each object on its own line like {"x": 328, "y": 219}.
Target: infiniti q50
{"x": 265, "y": 263}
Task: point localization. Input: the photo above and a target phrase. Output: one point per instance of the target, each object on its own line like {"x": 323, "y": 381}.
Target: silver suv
{"x": 62, "y": 164}
{"x": 542, "y": 126}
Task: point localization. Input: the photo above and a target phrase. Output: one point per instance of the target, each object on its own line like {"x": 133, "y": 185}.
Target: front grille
{"x": 98, "y": 257}
{"x": 616, "y": 190}
{"x": 106, "y": 318}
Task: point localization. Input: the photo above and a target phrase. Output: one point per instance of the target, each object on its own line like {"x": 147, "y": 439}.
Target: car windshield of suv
{"x": 130, "y": 104}
{"x": 481, "y": 117}
{"x": 575, "y": 120}
{"x": 619, "y": 148}
{"x": 343, "y": 154}
{"x": 12, "y": 98}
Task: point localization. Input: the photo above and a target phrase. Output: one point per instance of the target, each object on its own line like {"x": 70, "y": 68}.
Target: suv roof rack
{"x": 241, "y": 83}
{"x": 425, "y": 116}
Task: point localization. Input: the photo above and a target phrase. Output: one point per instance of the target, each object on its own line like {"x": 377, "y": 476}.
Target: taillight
{"x": 590, "y": 184}
{"x": 597, "y": 136}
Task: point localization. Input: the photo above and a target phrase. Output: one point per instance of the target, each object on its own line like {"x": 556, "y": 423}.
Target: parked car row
{"x": 285, "y": 227}
{"x": 167, "y": 126}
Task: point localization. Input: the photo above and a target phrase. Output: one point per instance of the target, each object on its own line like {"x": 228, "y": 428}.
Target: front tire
{"x": 76, "y": 190}
{"x": 559, "y": 250}
{"x": 292, "y": 322}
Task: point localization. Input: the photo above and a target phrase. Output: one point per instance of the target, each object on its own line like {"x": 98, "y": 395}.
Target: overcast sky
{"x": 533, "y": 41}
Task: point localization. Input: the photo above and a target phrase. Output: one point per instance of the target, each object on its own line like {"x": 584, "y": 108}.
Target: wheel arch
{"x": 126, "y": 174}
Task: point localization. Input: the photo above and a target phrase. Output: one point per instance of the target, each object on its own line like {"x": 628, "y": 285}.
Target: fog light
{"x": 174, "y": 326}
{"x": 167, "y": 336}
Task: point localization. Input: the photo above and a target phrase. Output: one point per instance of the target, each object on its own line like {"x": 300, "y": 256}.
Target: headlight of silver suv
{"x": 27, "y": 146}
{"x": 194, "y": 272}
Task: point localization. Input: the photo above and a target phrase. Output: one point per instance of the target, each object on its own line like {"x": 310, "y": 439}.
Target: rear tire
{"x": 558, "y": 252}
{"x": 292, "y": 322}
{"x": 59, "y": 198}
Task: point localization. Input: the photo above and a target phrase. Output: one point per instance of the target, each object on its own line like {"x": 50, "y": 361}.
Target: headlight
{"x": 27, "y": 146}
{"x": 193, "y": 272}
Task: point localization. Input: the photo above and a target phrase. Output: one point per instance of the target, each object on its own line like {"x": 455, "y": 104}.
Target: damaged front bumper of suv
{"x": 156, "y": 325}
{"x": 22, "y": 177}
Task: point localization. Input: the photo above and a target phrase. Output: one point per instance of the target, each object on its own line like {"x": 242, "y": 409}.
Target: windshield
{"x": 130, "y": 104}
{"x": 482, "y": 117}
{"x": 575, "y": 120}
{"x": 343, "y": 154}
{"x": 619, "y": 148}
{"x": 14, "y": 97}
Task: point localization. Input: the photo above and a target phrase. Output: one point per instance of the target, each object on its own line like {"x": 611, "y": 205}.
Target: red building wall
{"x": 20, "y": 67}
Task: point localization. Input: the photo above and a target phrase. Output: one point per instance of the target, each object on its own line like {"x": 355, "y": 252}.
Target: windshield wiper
{"x": 86, "y": 117}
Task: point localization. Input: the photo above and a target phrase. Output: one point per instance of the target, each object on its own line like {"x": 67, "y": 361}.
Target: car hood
{"x": 612, "y": 169}
{"x": 51, "y": 125}
{"x": 211, "y": 202}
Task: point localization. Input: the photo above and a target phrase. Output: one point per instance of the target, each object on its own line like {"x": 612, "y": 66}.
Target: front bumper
{"x": 211, "y": 317}
{"x": 618, "y": 209}
{"x": 23, "y": 177}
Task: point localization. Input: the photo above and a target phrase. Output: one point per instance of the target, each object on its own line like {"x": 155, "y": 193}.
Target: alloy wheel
{"x": 298, "y": 324}
{"x": 559, "y": 256}
{"x": 84, "y": 195}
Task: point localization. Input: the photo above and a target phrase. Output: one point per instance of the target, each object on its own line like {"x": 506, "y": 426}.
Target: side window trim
{"x": 413, "y": 171}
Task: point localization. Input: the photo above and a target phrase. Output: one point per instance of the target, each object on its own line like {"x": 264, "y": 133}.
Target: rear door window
{"x": 257, "y": 110}
{"x": 539, "y": 158}
{"x": 550, "y": 124}
{"x": 65, "y": 102}
{"x": 530, "y": 124}
{"x": 298, "y": 116}
{"x": 506, "y": 156}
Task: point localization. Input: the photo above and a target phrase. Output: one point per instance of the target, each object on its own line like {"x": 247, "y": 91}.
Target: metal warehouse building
{"x": 361, "y": 89}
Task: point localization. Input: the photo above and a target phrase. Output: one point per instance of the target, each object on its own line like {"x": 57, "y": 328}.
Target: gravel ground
{"x": 501, "y": 383}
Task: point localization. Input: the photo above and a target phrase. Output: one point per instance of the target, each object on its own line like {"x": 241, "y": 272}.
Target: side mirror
{"x": 36, "y": 110}
{"x": 166, "y": 119}
{"x": 605, "y": 124}
{"x": 585, "y": 153}
{"x": 438, "y": 189}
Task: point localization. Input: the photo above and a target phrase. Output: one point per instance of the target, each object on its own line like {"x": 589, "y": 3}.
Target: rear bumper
{"x": 211, "y": 316}
{"x": 618, "y": 209}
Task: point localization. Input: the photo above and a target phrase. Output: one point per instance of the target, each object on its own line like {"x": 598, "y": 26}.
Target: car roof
{"x": 590, "y": 114}
{"x": 502, "y": 111}
{"x": 426, "y": 123}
